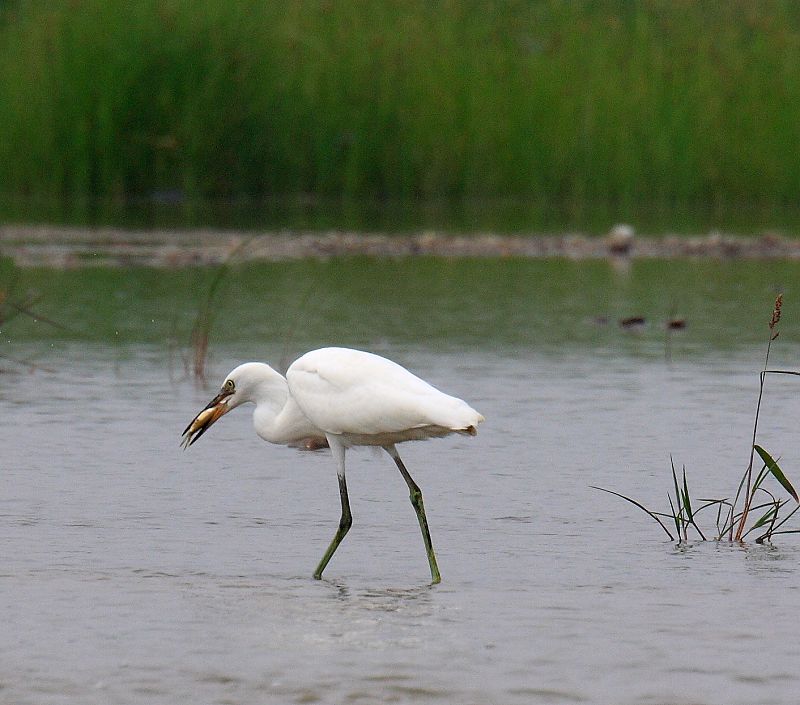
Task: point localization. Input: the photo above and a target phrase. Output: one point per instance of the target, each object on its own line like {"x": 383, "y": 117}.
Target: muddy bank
{"x": 62, "y": 247}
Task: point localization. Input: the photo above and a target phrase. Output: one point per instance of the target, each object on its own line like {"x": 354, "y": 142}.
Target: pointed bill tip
{"x": 202, "y": 422}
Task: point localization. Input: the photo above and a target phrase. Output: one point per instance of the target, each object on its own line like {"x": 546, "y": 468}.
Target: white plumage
{"x": 342, "y": 397}
{"x": 369, "y": 400}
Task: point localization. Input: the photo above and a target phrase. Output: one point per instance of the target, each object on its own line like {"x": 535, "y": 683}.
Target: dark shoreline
{"x": 66, "y": 248}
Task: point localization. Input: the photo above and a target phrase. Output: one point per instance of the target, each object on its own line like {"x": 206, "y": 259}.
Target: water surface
{"x": 134, "y": 572}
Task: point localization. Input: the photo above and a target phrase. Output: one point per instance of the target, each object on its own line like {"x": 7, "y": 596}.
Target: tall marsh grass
{"x": 664, "y": 101}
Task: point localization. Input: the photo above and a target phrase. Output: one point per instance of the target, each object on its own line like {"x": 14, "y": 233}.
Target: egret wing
{"x": 355, "y": 392}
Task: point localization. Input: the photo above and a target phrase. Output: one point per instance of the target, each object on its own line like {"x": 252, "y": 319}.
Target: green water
{"x": 545, "y": 305}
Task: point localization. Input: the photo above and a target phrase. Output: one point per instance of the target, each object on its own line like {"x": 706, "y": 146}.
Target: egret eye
{"x": 229, "y": 386}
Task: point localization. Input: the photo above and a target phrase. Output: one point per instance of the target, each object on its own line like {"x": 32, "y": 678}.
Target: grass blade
{"x": 636, "y": 504}
{"x": 687, "y": 503}
{"x": 680, "y": 521}
{"x": 765, "y": 518}
{"x": 786, "y": 518}
{"x": 676, "y": 517}
{"x": 777, "y": 473}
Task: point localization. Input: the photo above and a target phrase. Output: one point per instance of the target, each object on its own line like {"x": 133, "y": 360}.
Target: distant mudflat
{"x": 71, "y": 247}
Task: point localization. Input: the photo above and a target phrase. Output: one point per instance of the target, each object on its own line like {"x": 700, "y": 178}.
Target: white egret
{"x": 342, "y": 398}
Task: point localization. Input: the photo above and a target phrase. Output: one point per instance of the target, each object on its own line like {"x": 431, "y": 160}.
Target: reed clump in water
{"x": 734, "y": 518}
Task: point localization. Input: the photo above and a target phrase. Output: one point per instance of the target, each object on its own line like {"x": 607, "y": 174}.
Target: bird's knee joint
{"x": 416, "y": 497}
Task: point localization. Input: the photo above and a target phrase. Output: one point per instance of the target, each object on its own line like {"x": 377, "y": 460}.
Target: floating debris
{"x": 632, "y": 322}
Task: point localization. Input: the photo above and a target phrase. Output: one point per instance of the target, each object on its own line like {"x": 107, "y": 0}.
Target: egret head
{"x": 241, "y": 385}
{"x": 217, "y": 407}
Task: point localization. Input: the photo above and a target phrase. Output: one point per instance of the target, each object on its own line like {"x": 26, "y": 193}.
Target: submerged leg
{"x": 347, "y": 520}
{"x": 419, "y": 508}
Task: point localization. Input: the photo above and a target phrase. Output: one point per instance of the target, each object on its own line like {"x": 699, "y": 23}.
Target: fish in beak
{"x": 215, "y": 409}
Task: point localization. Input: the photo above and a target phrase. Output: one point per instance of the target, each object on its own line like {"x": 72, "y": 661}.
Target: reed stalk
{"x": 748, "y": 495}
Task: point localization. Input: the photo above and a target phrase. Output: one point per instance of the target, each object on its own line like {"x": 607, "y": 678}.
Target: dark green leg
{"x": 347, "y": 519}
{"x": 419, "y": 508}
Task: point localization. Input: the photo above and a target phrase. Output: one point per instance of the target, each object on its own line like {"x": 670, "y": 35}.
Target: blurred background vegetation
{"x": 560, "y": 114}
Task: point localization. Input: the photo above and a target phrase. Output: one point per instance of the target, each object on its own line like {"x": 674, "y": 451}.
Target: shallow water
{"x": 134, "y": 572}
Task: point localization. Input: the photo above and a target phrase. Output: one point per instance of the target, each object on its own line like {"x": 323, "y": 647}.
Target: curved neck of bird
{"x": 277, "y": 418}
{"x": 270, "y": 397}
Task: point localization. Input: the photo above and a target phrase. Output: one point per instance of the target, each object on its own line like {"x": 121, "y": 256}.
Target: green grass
{"x": 662, "y": 102}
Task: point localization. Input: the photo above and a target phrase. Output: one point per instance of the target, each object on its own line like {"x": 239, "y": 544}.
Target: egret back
{"x": 359, "y": 394}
